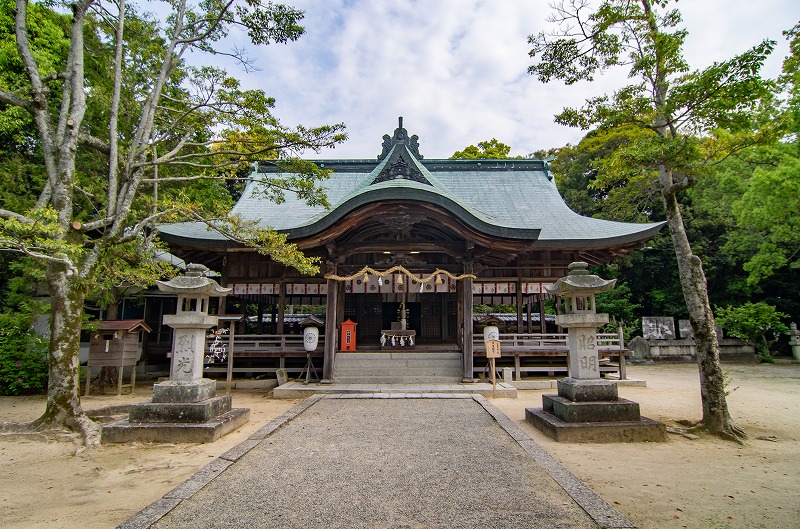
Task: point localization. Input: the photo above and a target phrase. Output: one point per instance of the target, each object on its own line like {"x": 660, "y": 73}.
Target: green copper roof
{"x": 510, "y": 198}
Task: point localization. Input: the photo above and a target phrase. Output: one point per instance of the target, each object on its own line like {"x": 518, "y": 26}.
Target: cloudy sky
{"x": 456, "y": 69}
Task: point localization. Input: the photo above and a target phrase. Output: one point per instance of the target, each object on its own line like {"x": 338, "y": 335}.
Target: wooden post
{"x": 542, "y": 322}
{"x": 229, "y": 377}
{"x": 466, "y": 302}
{"x": 494, "y": 380}
{"x": 622, "y": 367}
{"x": 331, "y": 304}
{"x": 260, "y": 320}
{"x": 460, "y": 314}
{"x": 520, "y": 324}
{"x": 530, "y": 313}
{"x": 281, "y": 308}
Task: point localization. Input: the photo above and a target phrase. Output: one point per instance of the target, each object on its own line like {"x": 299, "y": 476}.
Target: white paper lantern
{"x": 310, "y": 338}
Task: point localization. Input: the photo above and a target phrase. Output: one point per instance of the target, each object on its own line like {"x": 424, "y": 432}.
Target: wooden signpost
{"x": 492, "y": 352}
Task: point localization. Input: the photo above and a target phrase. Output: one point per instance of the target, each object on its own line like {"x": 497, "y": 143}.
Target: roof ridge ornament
{"x": 399, "y": 169}
{"x": 400, "y": 137}
{"x": 398, "y": 157}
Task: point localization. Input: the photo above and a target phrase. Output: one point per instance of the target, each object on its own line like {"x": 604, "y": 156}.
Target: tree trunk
{"x": 695, "y": 292}
{"x": 63, "y": 386}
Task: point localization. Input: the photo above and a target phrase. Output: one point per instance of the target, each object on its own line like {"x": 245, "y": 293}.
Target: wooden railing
{"x": 548, "y": 353}
{"x": 538, "y": 342}
{"x": 272, "y": 347}
{"x": 266, "y": 344}
{"x": 532, "y": 352}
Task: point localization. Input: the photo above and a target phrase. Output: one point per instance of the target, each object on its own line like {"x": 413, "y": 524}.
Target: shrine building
{"x": 408, "y": 246}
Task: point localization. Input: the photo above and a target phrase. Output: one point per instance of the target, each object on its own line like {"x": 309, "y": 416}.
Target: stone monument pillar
{"x": 587, "y": 407}
{"x": 184, "y": 408}
{"x": 794, "y": 341}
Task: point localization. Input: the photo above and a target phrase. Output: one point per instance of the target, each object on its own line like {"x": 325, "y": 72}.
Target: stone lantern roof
{"x": 580, "y": 281}
{"x": 194, "y": 282}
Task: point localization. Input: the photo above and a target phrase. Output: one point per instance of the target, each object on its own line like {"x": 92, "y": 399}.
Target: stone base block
{"x": 578, "y": 390}
{"x": 184, "y": 391}
{"x": 610, "y": 411}
{"x": 596, "y": 432}
{"x": 187, "y": 412}
{"x": 208, "y": 432}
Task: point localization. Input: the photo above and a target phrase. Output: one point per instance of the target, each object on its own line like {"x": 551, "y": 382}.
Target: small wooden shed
{"x": 116, "y": 344}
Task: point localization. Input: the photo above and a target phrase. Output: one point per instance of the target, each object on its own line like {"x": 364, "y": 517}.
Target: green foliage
{"x": 622, "y": 311}
{"x": 583, "y": 178}
{"x": 485, "y": 149}
{"x": 23, "y": 356}
{"x": 757, "y": 323}
{"x": 675, "y": 108}
{"x": 768, "y": 218}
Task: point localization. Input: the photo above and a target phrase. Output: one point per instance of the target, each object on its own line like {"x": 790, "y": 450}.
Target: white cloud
{"x": 456, "y": 69}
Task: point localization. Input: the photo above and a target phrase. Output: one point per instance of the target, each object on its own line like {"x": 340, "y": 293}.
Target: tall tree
{"x": 678, "y": 109}
{"x": 103, "y": 143}
{"x": 485, "y": 149}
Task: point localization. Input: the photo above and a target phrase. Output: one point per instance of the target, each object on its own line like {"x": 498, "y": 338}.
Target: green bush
{"x": 757, "y": 323}
{"x": 23, "y": 356}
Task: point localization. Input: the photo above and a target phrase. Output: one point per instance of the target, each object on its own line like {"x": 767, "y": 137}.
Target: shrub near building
{"x": 23, "y": 356}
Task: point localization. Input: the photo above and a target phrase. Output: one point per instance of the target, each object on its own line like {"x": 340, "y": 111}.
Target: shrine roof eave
{"x": 198, "y": 235}
{"x": 413, "y": 194}
{"x": 646, "y": 232}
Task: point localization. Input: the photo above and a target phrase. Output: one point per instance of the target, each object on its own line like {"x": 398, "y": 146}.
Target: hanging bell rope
{"x": 435, "y": 276}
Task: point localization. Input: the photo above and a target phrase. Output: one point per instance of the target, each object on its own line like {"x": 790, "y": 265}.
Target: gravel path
{"x": 382, "y": 463}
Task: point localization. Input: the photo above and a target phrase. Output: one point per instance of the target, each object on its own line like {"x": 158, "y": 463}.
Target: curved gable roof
{"x": 509, "y": 198}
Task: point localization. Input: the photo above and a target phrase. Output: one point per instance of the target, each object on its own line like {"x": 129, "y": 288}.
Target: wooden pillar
{"x": 520, "y": 323}
{"x": 528, "y": 310}
{"x": 445, "y": 312}
{"x": 222, "y": 306}
{"x": 466, "y": 302}
{"x": 260, "y": 324}
{"x": 460, "y": 314}
{"x": 331, "y": 327}
{"x": 339, "y": 303}
{"x": 281, "y": 308}
{"x": 542, "y": 323}
{"x": 558, "y": 312}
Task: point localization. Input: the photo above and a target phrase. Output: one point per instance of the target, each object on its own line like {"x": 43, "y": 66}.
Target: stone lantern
{"x": 587, "y": 407}
{"x": 191, "y": 321}
{"x": 579, "y": 316}
{"x": 184, "y": 408}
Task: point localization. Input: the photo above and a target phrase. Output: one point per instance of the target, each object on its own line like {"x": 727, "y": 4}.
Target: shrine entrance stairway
{"x": 393, "y": 367}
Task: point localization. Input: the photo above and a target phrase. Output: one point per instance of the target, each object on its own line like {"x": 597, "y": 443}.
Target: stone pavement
{"x": 298, "y": 390}
{"x": 384, "y": 461}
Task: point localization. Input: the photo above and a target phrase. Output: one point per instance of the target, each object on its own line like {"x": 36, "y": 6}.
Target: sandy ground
{"x": 703, "y": 483}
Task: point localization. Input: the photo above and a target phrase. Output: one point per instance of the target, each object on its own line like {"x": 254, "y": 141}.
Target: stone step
{"x": 397, "y": 379}
{"x": 398, "y": 361}
{"x": 395, "y": 355}
{"x": 411, "y": 371}
{"x": 392, "y": 367}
